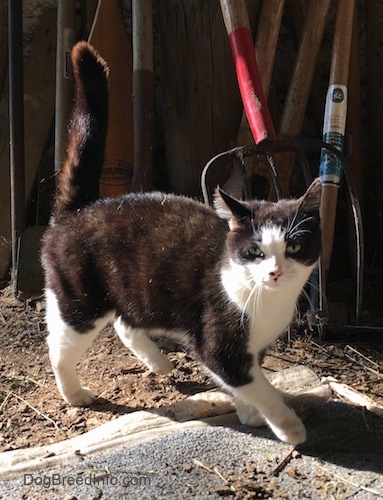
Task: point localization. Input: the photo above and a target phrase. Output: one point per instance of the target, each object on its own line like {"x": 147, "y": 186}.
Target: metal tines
{"x": 319, "y": 315}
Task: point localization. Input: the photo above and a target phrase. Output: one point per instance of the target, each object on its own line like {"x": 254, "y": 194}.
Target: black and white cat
{"x": 223, "y": 280}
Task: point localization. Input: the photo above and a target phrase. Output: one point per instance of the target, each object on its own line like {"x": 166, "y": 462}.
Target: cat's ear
{"x": 230, "y": 209}
{"x": 310, "y": 201}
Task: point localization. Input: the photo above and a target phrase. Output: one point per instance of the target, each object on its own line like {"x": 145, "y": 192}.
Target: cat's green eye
{"x": 255, "y": 253}
{"x": 293, "y": 249}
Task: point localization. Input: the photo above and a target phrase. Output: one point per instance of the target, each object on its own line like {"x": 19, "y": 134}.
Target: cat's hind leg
{"x": 66, "y": 346}
{"x": 143, "y": 347}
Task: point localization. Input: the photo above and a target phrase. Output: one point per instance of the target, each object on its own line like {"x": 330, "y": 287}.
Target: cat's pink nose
{"x": 276, "y": 274}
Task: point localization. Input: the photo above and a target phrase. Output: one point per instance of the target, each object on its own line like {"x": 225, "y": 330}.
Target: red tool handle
{"x": 249, "y": 81}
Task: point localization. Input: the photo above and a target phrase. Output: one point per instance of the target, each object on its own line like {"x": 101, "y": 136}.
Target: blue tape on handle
{"x": 330, "y": 170}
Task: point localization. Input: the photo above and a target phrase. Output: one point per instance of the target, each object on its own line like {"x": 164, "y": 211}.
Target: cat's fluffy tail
{"x": 78, "y": 180}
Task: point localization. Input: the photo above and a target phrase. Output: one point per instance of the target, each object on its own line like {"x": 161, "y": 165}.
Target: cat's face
{"x": 271, "y": 257}
{"x": 274, "y": 244}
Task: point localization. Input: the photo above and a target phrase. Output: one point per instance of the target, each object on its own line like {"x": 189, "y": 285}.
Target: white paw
{"x": 290, "y": 429}
{"x": 161, "y": 366}
{"x": 83, "y": 397}
{"x": 248, "y": 414}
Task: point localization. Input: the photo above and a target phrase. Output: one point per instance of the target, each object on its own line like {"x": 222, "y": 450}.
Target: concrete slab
{"x": 152, "y": 455}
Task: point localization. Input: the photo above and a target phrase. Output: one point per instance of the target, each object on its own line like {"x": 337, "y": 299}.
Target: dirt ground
{"x": 33, "y": 413}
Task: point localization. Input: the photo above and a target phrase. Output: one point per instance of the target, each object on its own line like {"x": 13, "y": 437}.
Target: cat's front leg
{"x": 283, "y": 421}
{"x": 248, "y": 414}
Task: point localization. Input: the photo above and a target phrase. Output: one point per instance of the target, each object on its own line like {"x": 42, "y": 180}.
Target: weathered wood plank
{"x": 39, "y": 100}
{"x": 202, "y": 108}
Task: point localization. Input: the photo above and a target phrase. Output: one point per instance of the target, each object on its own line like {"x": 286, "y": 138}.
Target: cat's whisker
{"x": 254, "y": 302}
{"x": 259, "y": 300}
{"x": 311, "y": 305}
{"x": 313, "y": 284}
{"x": 298, "y": 229}
{"x": 291, "y": 222}
{"x": 307, "y": 297}
{"x": 253, "y": 292}
{"x": 299, "y": 233}
{"x": 293, "y": 229}
{"x": 250, "y": 285}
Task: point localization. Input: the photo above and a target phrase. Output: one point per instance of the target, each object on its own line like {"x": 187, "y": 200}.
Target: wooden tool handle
{"x": 299, "y": 89}
{"x": 335, "y": 121}
{"x": 295, "y": 106}
{"x": 109, "y": 37}
{"x": 267, "y": 39}
{"x": 242, "y": 47}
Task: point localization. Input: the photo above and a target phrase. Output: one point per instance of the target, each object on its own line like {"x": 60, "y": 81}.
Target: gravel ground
{"x": 343, "y": 458}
